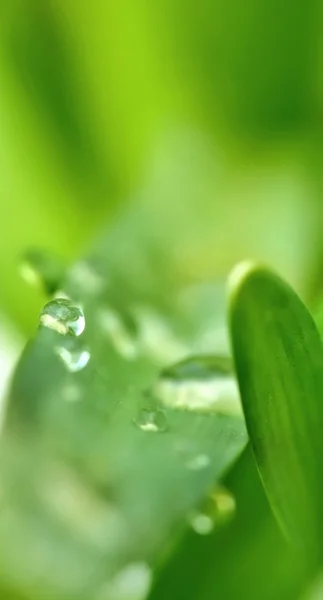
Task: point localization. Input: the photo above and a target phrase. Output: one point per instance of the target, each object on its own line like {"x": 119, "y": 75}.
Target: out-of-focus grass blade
{"x": 94, "y": 465}
{"x": 279, "y": 361}
{"x": 40, "y": 55}
{"x": 249, "y": 557}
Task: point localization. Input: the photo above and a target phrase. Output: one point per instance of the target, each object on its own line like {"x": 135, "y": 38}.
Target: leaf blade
{"x": 279, "y": 362}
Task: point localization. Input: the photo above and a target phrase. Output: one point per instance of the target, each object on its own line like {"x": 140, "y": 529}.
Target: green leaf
{"x": 80, "y": 473}
{"x": 248, "y": 557}
{"x": 279, "y": 361}
{"x": 251, "y": 554}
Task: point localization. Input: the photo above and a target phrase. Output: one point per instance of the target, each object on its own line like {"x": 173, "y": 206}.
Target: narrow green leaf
{"x": 93, "y": 463}
{"x": 279, "y": 362}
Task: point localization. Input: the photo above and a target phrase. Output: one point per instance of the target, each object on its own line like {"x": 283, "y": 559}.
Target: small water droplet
{"x": 42, "y": 269}
{"x": 131, "y": 583}
{"x": 74, "y": 358}
{"x": 63, "y": 316}
{"x": 151, "y": 419}
{"x": 217, "y": 509}
{"x": 200, "y": 384}
{"x": 121, "y": 336}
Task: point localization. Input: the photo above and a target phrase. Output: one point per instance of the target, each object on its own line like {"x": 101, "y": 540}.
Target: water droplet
{"x": 74, "y": 358}
{"x": 63, "y": 316}
{"x": 42, "y": 269}
{"x": 200, "y": 384}
{"x": 121, "y": 336}
{"x": 151, "y": 419}
{"x": 218, "y": 508}
{"x": 131, "y": 583}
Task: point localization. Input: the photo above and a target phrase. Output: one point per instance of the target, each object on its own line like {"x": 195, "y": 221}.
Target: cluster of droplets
{"x": 198, "y": 384}
{"x": 202, "y": 384}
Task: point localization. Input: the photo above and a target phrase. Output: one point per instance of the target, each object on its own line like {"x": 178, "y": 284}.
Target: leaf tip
{"x": 240, "y": 275}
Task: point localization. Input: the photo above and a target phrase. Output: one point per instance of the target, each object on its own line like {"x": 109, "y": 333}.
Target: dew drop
{"x": 217, "y": 509}
{"x": 42, "y": 269}
{"x": 151, "y": 419}
{"x": 75, "y": 359}
{"x": 63, "y": 316}
{"x": 200, "y": 384}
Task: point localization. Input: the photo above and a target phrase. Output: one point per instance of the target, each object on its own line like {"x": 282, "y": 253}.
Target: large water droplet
{"x": 63, "y": 316}
{"x": 131, "y": 583}
{"x": 74, "y": 358}
{"x": 200, "y": 384}
{"x": 151, "y": 419}
{"x": 217, "y": 509}
{"x": 43, "y": 269}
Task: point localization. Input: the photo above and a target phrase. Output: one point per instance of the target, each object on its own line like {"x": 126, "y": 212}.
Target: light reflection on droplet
{"x": 74, "y": 359}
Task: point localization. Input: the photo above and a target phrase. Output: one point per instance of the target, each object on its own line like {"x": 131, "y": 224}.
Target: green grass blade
{"x": 279, "y": 361}
{"x": 249, "y": 557}
{"x": 78, "y": 470}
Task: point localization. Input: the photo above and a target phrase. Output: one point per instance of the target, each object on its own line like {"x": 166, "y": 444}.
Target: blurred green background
{"x": 214, "y": 106}
{"x": 199, "y": 124}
